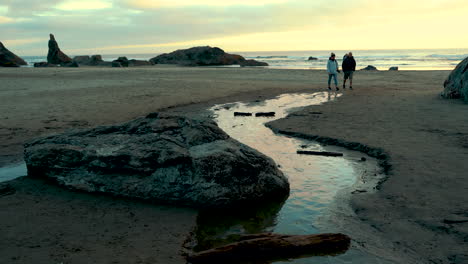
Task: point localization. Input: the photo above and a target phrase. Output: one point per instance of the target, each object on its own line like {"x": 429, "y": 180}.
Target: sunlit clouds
{"x": 143, "y": 26}
{"x": 73, "y": 5}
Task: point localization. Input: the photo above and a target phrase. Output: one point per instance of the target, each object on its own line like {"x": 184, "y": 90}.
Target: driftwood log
{"x": 265, "y": 114}
{"x": 242, "y": 114}
{"x": 270, "y": 247}
{"x": 320, "y": 153}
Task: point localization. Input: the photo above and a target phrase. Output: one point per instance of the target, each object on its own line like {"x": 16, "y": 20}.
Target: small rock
{"x": 313, "y": 58}
{"x": 393, "y": 69}
{"x": 369, "y": 68}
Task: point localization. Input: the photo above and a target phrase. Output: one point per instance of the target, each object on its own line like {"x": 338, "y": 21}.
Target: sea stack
{"x": 9, "y": 59}
{"x": 55, "y": 55}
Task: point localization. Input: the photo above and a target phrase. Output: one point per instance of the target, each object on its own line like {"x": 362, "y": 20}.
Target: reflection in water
{"x": 314, "y": 180}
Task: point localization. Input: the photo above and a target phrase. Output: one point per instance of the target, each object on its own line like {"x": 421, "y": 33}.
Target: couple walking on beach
{"x": 348, "y": 66}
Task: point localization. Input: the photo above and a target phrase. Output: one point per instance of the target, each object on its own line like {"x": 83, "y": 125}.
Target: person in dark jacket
{"x": 348, "y": 66}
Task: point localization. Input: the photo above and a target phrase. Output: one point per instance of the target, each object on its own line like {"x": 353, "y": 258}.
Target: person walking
{"x": 332, "y": 69}
{"x": 348, "y": 66}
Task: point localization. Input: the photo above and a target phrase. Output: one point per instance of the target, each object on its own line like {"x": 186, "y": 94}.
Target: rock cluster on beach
{"x": 203, "y": 56}
{"x": 8, "y": 58}
{"x": 162, "y": 158}
{"x": 456, "y": 85}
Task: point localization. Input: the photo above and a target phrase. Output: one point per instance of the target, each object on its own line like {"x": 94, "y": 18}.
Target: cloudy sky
{"x": 154, "y": 26}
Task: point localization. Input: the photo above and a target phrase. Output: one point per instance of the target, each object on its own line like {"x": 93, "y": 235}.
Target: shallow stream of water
{"x": 314, "y": 180}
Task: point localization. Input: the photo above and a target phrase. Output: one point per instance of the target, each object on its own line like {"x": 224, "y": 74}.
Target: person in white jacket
{"x": 332, "y": 69}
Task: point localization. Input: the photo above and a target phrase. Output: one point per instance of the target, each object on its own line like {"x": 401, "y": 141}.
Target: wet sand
{"x": 416, "y": 217}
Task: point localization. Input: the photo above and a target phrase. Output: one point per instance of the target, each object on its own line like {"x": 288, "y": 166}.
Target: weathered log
{"x": 320, "y": 153}
{"x": 269, "y": 247}
{"x": 265, "y": 114}
{"x": 242, "y": 114}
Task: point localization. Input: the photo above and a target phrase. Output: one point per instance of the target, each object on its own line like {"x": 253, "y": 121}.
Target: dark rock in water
{"x": 198, "y": 56}
{"x": 9, "y": 59}
{"x": 44, "y": 64}
{"x": 252, "y": 63}
{"x": 162, "y": 158}
{"x": 116, "y": 64}
{"x": 268, "y": 114}
{"x": 393, "y": 69}
{"x": 369, "y": 68}
{"x": 55, "y": 55}
{"x": 312, "y": 58}
{"x": 123, "y": 61}
{"x": 456, "y": 85}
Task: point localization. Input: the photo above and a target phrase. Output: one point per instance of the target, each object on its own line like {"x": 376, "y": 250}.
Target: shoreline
{"x": 400, "y": 212}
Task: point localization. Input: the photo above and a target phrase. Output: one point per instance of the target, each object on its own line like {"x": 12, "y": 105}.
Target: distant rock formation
{"x": 369, "y": 68}
{"x": 162, "y": 158}
{"x": 122, "y": 60}
{"x": 94, "y": 60}
{"x": 456, "y": 85}
{"x": 55, "y": 55}
{"x": 9, "y": 59}
{"x": 393, "y": 69}
{"x": 313, "y": 58}
{"x": 199, "y": 56}
{"x": 252, "y": 63}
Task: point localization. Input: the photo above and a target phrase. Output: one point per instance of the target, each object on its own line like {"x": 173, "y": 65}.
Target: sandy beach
{"x": 418, "y": 215}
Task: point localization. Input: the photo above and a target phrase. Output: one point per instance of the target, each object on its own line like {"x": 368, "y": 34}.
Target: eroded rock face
{"x": 162, "y": 158}
{"x": 198, "y": 56}
{"x": 456, "y": 85}
{"x": 55, "y": 55}
{"x": 9, "y": 59}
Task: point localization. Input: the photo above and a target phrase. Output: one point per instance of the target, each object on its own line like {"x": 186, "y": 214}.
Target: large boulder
{"x": 9, "y": 59}
{"x": 162, "y": 158}
{"x": 55, "y": 55}
{"x": 456, "y": 85}
{"x": 198, "y": 56}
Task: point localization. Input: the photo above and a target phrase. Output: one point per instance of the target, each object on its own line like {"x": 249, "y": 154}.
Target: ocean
{"x": 431, "y": 59}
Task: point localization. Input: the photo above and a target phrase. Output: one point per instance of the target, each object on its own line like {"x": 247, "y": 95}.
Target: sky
{"x": 155, "y": 26}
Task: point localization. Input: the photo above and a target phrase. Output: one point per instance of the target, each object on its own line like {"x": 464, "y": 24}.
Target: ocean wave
{"x": 271, "y": 57}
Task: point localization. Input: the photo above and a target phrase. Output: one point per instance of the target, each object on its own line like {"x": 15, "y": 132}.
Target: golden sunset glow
{"x": 144, "y": 26}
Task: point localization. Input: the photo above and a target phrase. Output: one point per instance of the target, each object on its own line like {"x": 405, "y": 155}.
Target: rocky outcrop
{"x": 456, "y": 85}
{"x": 198, "y": 56}
{"x": 369, "y": 68}
{"x": 161, "y": 158}
{"x": 55, "y": 55}
{"x": 393, "y": 69}
{"x": 252, "y": 63}
{"x": 313, "y": 58}
{"x": 94, "y": 60}
{"x": 9, "y": 59}
{"x": 122, "y": 60}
